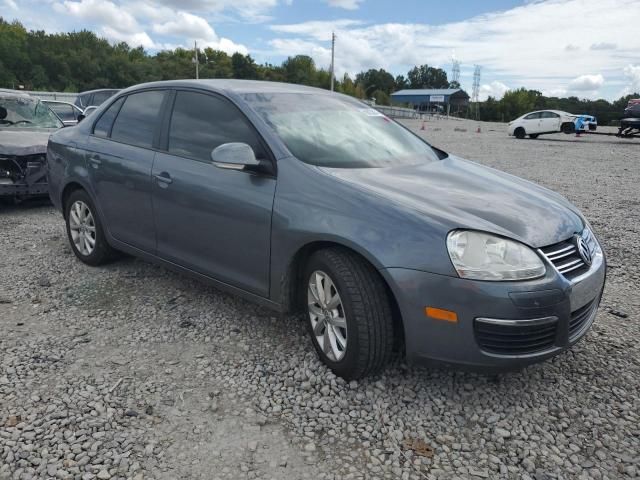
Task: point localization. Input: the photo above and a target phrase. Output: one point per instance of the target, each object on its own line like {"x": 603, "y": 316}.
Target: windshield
{"x": 26, "y": 112}
{"x": 336, "y": 131}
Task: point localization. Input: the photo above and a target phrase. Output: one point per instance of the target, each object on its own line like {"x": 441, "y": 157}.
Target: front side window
{"x": 26, "y": 112}
{"x": 102, "y": 127}
{"x": 138, "y": 118}
{"x": 337, "y": 131}
{"x": 202, "y": 122}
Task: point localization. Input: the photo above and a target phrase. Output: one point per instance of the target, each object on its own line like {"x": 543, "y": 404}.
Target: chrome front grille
{"x": 565, "y": 257}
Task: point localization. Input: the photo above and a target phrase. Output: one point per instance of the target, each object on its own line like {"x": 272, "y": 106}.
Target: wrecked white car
{"x": 25, "y": 126}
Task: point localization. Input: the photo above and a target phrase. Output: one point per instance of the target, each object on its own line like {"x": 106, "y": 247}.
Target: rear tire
{"x": 520, "y": 133}
{"x": 357, "y": 299}
{"x": 85, "y": 231}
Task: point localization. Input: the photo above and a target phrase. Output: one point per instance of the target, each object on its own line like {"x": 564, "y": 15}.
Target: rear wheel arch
{"x": 66, "y": 193}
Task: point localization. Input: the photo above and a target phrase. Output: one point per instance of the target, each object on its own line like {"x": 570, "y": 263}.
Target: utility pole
{"x": 195, "y": 59}
{"x": 333, "y": 56}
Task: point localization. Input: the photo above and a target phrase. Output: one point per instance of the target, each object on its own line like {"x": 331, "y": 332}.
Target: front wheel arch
{"x": 292, "y": 300}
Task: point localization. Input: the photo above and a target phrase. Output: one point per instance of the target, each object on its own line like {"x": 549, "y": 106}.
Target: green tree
{"x": 425, "y": 76}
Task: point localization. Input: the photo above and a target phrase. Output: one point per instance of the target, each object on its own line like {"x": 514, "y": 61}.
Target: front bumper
{"x": 552, "y": 307}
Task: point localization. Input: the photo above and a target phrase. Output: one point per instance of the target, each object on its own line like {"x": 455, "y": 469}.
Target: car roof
{"x": 233, "y": 86}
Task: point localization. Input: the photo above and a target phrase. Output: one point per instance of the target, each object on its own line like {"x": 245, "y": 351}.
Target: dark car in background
{"x": 25, "y": 125}
{"x": 633, "y": 109}
{"x": 300, "y": 198}
{"x": 94, "y": 98}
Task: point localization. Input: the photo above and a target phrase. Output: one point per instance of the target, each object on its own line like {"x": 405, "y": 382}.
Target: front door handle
{"x": 163, "y": 178}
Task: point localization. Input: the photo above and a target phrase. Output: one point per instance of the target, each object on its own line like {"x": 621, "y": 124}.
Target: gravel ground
{"x": 131, "y": 371}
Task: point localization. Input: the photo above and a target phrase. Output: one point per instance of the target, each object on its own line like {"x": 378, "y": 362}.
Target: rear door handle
{"x": 163, "y": 178}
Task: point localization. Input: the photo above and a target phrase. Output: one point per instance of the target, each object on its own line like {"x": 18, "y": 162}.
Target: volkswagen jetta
{"x": 299, "y": 198}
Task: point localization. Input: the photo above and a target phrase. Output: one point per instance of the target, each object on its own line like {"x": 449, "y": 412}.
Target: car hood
{"x": 455, "y": 193}
{"x": 23, "y": 141}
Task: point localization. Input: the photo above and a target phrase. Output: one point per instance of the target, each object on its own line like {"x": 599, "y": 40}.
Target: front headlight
{"x": 482, "y": 256}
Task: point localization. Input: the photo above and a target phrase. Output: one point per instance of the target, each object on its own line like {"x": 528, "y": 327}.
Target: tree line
{"x": 79, "y": 61}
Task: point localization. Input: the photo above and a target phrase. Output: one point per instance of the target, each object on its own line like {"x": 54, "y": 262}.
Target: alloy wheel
{"x": 327, "y": 316}
{"x": 83, "y": 228}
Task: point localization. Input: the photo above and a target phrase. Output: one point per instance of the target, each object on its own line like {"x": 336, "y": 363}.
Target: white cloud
{"x": 11, "y": 4}
{"x": 346, "y": 4}
{"x": 100, "y": 11}
{"x": 133, "y": 39}
{"x": 494, "y": 89}
{"x": 586, "y": 83}
{"x": 632, "y": 73}
{"x": 508, "y": 44}
{"x": 186, "y": 25}
{"x": 603, "y": 46}
{"x": 248, "y": 10}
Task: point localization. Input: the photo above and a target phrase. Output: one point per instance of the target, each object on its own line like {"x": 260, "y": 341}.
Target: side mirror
{"x": 234, "y": 156}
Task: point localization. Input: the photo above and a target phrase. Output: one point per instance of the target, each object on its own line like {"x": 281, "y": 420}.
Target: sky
{"x": 586, "y": 48}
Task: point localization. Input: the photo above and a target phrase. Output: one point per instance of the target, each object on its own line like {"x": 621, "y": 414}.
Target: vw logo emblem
{"x": 583, "y": 250}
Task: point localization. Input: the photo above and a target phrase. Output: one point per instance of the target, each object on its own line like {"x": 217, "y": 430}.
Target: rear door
{"x": 120, "y": 157}
{"x": 214, "y": 221}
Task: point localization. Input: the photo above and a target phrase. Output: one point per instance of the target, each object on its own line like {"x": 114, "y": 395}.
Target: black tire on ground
{"x": 367, "y": 310}
{"x": 520, "y": 133}
{"x": 533, "y": 136}
{"x": 102, "y": 252}
{"x": 568, "y": 128}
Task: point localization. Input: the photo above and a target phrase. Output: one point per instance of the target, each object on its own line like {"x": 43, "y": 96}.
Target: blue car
{"x": 309, "y": 201}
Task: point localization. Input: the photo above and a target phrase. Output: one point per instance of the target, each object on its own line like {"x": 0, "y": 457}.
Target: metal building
{"x": 444, "y": 100}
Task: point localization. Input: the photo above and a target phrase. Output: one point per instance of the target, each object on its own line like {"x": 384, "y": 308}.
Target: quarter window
{"x": 201, "y": 122}
{"x": 138, "y": 117}
{"x": 102, "y": 127}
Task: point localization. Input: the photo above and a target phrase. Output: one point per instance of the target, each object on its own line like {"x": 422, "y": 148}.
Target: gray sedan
{"x": 305, "y": 200}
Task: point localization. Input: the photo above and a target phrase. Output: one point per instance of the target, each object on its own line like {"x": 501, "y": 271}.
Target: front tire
{"x": 85, "y": 231}
{"x": 520, "y": 133}
{"x": 349, "y": 313}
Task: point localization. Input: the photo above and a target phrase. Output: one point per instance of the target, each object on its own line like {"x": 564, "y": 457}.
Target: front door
{"x": 120, "y": 158}
{"x": 213, "y": 221}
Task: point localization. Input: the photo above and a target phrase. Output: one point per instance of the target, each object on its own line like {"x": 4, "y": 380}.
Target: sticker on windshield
{"x": 371, "y": 112}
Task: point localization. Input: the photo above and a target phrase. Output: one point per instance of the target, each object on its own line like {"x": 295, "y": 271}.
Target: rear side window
{"x": 102, "y": 127}
{"x": 201, "y": 122}
{"x": 550, "y": 115}
{"x": 138, "y": 117}
{"x": 533, "y": 116}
